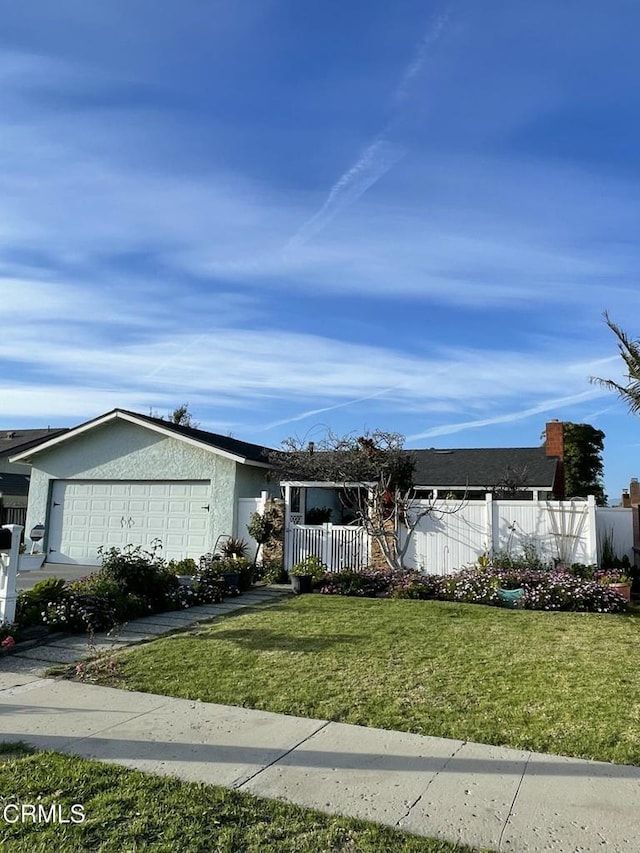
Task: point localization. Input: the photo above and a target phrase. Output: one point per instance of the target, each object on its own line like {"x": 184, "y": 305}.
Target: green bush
{"x": 187, "y": 566}
{"x": 366, "y": 583}
{"x": 272, "y": 571}
{"x": 32, "y": 603}
{"x": 311, "y": 565}
{"x": 141, "y": 573}
{"x": 81, "y": 611}
{"x": 125, "y": 605}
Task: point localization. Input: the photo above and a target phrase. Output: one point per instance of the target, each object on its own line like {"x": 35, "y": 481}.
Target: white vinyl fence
{"x": 616, "y": 524}
{"x": 567, "y": 531}
{"x": 451, "y": 536}
{"x": 338, "y": 546}
{"x": 246, "y": 508}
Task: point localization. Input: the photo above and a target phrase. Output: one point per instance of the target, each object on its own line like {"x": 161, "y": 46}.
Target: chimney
{"x": 554, "y": 442}
{"x": 626, "y": 499}
{"x": 554, "y": 446}
{"x": 634, "y": 492}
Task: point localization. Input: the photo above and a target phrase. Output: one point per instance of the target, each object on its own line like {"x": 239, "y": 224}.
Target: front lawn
{"x": 564, "y": 683}
{"x": 127, "y": 811}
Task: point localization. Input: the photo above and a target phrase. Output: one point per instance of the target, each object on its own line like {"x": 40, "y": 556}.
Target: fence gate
{"x": 338, "y": 546}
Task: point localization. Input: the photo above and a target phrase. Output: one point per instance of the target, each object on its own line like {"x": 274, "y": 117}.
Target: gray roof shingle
{"x": 15, "y": 440}
{"x": 483, "y": 467}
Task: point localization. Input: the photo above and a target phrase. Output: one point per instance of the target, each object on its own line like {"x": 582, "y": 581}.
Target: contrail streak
{"x": 378, "y": 157}
{"x": 547, "y": 405}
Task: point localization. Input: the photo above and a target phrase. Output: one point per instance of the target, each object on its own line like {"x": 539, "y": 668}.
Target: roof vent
{"x": 11, "y": 435}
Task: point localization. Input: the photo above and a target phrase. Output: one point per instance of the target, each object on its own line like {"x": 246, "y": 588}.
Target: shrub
{"x": 125, "y": 605}
{"x": 272, "y": 571}
{"x": 311, "y": 565}
{"x": 30, "y": 604}
{"x": 528, "y": 559}
{"x": 367, "y": 583}
{"x": 141, "y": 573}
{"x": 413, "y": 584}
{"x": 208, "y": 586}
{"x": 80, "y": 611}
{"x": 182, "y": 567}
{"x": 471, "y": 586}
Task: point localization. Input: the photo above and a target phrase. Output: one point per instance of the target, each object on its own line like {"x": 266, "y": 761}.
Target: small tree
{"x": 583, "y": 465}
{"x": 183, "y": 417}
{"x": 375, "y": 474}
{"x": 264, "y": 527}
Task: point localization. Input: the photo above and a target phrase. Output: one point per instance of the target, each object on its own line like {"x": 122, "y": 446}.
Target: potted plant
{"x": 234, "y": 549}
{"x": 304, "y": 573}
{"x": 615, "y": 580}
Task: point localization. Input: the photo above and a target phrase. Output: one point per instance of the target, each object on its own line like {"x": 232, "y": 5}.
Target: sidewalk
{"x": 484, "y": 796}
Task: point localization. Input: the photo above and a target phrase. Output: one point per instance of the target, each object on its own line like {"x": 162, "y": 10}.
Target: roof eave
{"x": 26, "y": 456}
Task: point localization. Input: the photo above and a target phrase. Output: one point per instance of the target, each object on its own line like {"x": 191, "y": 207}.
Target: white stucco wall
{"x": 121, "y": 450}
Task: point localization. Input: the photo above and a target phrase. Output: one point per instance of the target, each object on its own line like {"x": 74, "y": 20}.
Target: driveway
{"x": 27, "y": 580}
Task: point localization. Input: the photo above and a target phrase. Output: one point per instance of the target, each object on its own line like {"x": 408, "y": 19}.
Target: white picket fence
{"x": 451, "y": 536}
{"x": 338, "y": 546}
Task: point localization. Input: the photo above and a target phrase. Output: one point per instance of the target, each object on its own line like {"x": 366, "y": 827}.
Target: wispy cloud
{"x": 433, "y": 32}
{"x": 378, "y": 157}
{"x": 510, "y": 417}
{"x": 374, "y": 162}
{"x": 310, "y": 413}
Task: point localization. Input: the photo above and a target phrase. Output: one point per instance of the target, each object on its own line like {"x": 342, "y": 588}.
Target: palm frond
{"x": 630, "y": 351}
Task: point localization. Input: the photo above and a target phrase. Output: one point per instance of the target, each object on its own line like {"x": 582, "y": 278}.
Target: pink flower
{"x": 8, "y": 643}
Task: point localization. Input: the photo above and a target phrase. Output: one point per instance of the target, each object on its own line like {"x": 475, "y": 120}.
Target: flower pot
{"x": 30, "y": 562}
{"x": 232, "y": 582}
{"x": 623, "y": 589}
{"x": 301, "y": 583}
{"x": 511, "y": 598}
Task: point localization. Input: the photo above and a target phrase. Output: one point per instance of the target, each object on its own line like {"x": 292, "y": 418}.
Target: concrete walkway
{"x": 484, "y": 796}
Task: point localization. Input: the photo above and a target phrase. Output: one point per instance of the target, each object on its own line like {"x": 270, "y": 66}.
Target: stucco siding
{"x": 125, "y": 451}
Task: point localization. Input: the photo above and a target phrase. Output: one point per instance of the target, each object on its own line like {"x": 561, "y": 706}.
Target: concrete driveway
{"x": 27, "y": 580}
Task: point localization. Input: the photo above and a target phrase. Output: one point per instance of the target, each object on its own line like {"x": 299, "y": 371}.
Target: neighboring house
{"x": 522, "y": 473}
{"x": 14, "y": 477}
{"x": 126, "y": 478}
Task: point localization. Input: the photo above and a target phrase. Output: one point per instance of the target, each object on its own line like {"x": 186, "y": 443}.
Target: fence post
{"x": 327, "y": 536}
{"x": 8, "y": 575}
{"x": 592, "y": 530}
{"x": 488, "y": 498}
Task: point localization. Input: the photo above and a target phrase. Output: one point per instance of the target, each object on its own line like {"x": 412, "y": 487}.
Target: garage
{"x": 85, "y": 515}
{"x": 125, "y": 478}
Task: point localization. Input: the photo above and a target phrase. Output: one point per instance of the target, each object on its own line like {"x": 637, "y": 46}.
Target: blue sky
{"x": 296, "y": 216}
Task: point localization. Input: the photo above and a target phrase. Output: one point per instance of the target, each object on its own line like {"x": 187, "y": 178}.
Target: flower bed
{"x": 131, "y": 583}
{"x": 544, "y": 589}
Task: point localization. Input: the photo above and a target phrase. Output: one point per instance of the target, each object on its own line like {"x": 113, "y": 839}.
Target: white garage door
{"x": 87, "y": 514}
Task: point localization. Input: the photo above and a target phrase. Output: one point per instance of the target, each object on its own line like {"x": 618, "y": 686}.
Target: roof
{"x": 16, "y": 440}
{"x": 245, "y": 449}
{"x": 484, "y": 467}
{"x": 241, "y": 451}
{"x": 14, "y": 484}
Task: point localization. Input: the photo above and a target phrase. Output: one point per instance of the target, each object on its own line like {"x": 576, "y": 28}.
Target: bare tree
{"x": 375, "y": 475}
{"x": 512, "y": 481}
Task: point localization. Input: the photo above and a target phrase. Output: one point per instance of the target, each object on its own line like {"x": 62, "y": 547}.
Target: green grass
{"x": 565, "y": 683}
{"x": 131, "y": 812}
